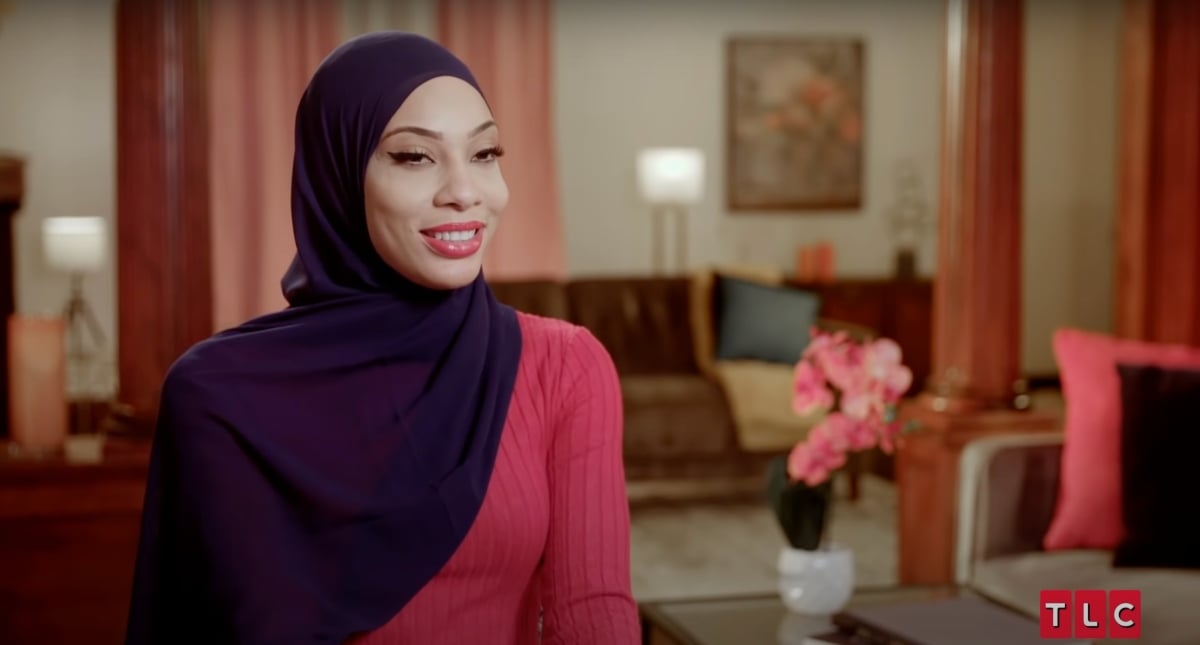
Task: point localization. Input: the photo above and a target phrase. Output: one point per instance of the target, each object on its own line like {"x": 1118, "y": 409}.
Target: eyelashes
{"x": 409, "y": 157}
{"x": 413, "y": 157}
{"x": 494, "y": 152}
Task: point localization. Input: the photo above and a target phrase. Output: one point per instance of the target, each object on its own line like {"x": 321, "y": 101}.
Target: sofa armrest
{"x": 1007, "y": 491}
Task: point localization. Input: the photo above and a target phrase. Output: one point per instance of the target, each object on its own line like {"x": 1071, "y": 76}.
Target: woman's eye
{"x": 490, "y": 154}
{"x": 409, "y": 157}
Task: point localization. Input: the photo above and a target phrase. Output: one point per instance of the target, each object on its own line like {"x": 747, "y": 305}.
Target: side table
{"x": 740, "y": 620}
{"x": 68, "y": 540}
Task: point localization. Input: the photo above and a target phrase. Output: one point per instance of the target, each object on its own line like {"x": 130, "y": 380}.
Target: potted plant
{"x": 855, "y": 388}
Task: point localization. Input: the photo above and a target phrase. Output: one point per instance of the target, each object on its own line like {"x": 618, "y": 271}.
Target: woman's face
{"x": 433, "y": 190}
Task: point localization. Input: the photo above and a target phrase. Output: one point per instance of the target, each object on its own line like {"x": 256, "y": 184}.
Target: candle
{"x": 37, "y": 381}
{"x": 805, "y": 263}
{"x": 825, "y": 261}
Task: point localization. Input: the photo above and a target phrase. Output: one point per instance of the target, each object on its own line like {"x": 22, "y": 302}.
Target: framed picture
{"x": 794, "y": 123}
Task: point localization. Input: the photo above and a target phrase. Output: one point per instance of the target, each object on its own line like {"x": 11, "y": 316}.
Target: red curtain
{"x": 1158, "y": 238}
{"x": 261, "y": 55}
{"x": 509, "y": 46}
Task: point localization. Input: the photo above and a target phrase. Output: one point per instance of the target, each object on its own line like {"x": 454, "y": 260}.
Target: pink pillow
{"x": 1088, "y": 513}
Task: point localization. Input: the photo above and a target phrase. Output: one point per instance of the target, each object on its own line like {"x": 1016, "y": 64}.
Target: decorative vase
{"x": 906, "y": 264}
{"x": 37, "y": 386}
{"x": 816, "y": 582}
{"x": 801, "y": 510}
{"x": 814, "y": 579}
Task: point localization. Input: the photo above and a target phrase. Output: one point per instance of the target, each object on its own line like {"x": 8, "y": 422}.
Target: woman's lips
{"x": 456, "y": 240}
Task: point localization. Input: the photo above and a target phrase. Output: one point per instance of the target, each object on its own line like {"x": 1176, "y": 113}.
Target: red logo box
{"x": 1054, "y": 613}
{"x": 1090, "y": 613}
{"x": 1125, "y": 613}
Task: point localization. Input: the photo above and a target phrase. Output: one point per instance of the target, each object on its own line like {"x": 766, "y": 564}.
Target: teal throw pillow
{"x": 756, "y": 321}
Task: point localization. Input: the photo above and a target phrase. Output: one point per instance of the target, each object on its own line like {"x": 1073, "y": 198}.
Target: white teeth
{"x": 455, "y": 236}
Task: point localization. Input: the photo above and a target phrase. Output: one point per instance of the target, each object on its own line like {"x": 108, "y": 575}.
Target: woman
{"x": 396, "y": 457}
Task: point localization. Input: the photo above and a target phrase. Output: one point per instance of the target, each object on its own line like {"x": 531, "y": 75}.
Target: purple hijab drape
{"x": 314, "y": 468}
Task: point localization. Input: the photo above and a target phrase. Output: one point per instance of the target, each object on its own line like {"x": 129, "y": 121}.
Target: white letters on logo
{"x": 1120, "y": 609}
{"x": 1087, "y": 619}
{"x": 1054, "y": 608}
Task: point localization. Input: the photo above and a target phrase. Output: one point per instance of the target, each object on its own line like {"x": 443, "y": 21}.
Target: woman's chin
{"x": 448, "y": 275}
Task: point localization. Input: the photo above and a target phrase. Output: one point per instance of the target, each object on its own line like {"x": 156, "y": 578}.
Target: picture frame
{"x": 794, "y": 123}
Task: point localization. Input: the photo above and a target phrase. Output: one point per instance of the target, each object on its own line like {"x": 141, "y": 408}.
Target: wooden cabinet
{"x": 68, "y": 540}
{"x": 898, "y": 309}
{"x": 927, "y": 483}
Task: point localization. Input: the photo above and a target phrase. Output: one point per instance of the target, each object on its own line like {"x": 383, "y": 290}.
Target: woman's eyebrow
{"x": 433, "y": 134}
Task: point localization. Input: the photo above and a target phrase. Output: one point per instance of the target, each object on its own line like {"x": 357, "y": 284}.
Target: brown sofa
{"x": 681, "y": 437}
{"x": 1008, "y": 487}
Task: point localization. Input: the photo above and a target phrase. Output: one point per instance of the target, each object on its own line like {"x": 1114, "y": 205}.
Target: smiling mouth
{"x": 453, "y": 236}
{"x": 455, "y": 241}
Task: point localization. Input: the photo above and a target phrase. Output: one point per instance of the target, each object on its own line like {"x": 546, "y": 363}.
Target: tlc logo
{"x": 1091, "y": 613}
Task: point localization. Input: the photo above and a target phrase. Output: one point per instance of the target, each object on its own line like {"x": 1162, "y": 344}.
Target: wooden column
{"x": 12, "y": 192}
{"x": 164, "y": 266}
{"x": 1158, "y": 226}
{"x": 977, "y": 297}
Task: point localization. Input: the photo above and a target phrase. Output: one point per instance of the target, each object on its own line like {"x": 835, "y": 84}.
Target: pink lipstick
{"x": 456, "y": 240}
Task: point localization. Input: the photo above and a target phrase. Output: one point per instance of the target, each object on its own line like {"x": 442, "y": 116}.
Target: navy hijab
{"x": 314, "y": 468}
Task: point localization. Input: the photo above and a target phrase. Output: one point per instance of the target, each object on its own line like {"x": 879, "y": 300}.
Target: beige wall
{"x": 630, "y": 75}
{"x": 362, "y": 16}
{"x": 1071, "y": 99}
{"x": 57, "y": 111}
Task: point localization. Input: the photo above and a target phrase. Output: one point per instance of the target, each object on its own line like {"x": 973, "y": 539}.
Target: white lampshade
{"x": 75, "y": 244}
{"x": 671, "y": 175}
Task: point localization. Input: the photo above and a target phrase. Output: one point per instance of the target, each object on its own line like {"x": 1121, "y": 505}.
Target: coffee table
{"x": 758, "y": 619}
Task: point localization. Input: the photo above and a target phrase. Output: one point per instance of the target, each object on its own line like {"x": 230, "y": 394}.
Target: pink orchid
{"x": 821, "y": 342}
{"x": 859, "y": 404}
{"x": 811, "y": 394}
{"x": 813, "y": 461}
{"x": 861, "y": 434}
{"x": 843, "y": 366}
{"x": 881, "y": 364}
{"x": 860, "y": 385}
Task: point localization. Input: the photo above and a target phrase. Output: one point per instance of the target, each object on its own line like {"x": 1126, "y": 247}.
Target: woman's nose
{"x": 458, "y": 188}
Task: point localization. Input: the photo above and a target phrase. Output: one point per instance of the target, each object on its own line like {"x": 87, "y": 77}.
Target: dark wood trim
{"x": 1043, "y": 382}
{"x": 163, "y": 265}
{"x": 12, "y": 193}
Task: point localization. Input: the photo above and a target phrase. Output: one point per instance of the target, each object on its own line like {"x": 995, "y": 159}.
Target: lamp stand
{"x": 659, "y": 213}
{"x": 79, "y": 318}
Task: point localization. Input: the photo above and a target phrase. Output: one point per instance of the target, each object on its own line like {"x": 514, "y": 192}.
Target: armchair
{"x": 1008, "y": 488}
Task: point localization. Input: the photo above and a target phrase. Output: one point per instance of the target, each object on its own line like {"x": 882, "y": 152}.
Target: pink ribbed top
{"x": 553, "y": 532}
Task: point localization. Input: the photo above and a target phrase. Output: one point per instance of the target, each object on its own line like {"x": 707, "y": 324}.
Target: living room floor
{"x": 718, "y": 549}
{"x": 703, "y": 550}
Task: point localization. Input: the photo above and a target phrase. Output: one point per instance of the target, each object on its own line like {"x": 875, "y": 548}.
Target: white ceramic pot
{"x": 816, "y": 583}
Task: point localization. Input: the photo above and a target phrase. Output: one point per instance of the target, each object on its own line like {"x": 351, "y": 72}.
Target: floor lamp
{"x": 78, "y": 246}
{"x": 670, "y": 180}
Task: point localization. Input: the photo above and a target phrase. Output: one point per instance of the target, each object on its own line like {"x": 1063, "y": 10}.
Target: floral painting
{"x": 795, "y": 124}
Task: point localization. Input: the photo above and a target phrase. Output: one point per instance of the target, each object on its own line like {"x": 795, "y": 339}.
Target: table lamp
{"x": 670, "y": 179}
{"x": 77, "y": 246}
